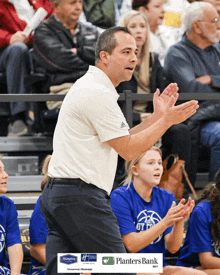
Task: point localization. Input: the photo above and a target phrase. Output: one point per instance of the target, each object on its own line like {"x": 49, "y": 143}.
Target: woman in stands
{"x": 148, "y": 216}
{"x": 201, "y": 248}
{"x": 9, "y": 231}
{"x": 147, "y": 77}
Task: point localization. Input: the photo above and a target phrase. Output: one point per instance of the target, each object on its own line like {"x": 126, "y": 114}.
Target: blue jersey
{"x": 38, "y": 231}
{"x": 134, "y": 214}
{"x": 198, "y": 238}
{"x": 9, "y": 227}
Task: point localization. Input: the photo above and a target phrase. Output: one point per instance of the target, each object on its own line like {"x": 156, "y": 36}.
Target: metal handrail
{"x": 128, "y": 96}
{"x": 133, "y": 96}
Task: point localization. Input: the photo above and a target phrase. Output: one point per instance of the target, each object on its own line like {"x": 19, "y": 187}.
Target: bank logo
{"x": 88, "y": 257}
{"x": 146, "y": 220}
{"x": 108, "y": 260}
{"x": 68, "y": 259}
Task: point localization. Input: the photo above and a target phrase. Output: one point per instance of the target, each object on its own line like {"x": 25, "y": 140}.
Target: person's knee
{"x": 210, "y": 135}
{"x": 180, "y": 132}
{"x": 17, "y": 50}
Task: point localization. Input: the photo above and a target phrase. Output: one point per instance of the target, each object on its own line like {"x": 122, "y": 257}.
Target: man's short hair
{"x": 194, "y": 12}
{"x": 107, "y": 41}
{"x": 136, "y": 4}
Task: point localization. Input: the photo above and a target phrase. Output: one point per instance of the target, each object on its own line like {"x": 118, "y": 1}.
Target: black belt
{"x": 66, "y": 181}
{"x": 73, "y": 181}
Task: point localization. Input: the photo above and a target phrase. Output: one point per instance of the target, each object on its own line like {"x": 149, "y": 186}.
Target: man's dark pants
{"x": 79, "y": 219}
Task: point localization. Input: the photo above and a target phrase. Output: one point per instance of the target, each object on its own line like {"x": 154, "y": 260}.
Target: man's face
{"x": 69, "y": 11}
{"x": 123, "y": 60}
{"x": 209, "y": 26}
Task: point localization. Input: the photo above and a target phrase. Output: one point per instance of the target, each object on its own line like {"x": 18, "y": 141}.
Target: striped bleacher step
{"x": 24, "y": 201}
{"x": 22, "y": 144}
{"x": 29, "y": 183}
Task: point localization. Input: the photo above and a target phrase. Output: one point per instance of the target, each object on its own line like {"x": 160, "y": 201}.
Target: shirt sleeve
{"x": 38, "y": 228}
{"x": 12, "y": 230}
{"x": 123, "y": 213}
{"x": 200, "y": 239}
{"x": 106, "y": 116}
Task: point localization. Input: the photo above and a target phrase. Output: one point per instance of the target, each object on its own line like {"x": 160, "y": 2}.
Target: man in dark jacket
{"x": 14, "y": 45}
{"x": 193, "y": 64}
{"x": 63, "y": 46}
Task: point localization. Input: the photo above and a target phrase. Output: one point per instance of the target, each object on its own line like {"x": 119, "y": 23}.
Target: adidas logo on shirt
{"x": 123, "y": 125}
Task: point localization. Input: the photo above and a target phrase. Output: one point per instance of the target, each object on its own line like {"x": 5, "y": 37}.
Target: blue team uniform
{"x": 9, "y": 231}
{"x": 134, "y": 214}
{"x": 198, "y": 237}
{"x": 38, "y": 231}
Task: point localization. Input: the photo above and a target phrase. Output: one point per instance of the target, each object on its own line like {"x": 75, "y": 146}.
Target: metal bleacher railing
{"x": 128, "y": 96}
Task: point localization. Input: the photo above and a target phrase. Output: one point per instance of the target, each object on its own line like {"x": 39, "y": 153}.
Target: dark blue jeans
{"x": 80, "y": 220}
{"x": 14, "y": 63}
{"x": 210, "y": 137}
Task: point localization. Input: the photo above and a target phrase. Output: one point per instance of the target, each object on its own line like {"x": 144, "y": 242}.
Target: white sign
{"x": 110, "y": 262}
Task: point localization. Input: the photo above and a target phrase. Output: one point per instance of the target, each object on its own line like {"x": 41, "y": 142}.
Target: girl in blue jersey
{"x": 10, "y": 239}
{"x": 38, "y": 231}
{"x": 148, "y": 216}
{"x": 201, "y": 248}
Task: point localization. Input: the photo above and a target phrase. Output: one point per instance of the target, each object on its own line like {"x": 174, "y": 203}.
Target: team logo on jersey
{"x": 147, "y": 219}
{"x": 2, "y": 238}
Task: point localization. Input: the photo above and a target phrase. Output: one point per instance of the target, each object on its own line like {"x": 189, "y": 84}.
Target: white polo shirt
{"x": 89, "y": 117}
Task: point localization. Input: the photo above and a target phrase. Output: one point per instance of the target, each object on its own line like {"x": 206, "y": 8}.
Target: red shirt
{"x": 11, "y": 23}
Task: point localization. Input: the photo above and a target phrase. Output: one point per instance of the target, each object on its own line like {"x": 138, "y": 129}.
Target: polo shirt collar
{"x": 105, "y": 79}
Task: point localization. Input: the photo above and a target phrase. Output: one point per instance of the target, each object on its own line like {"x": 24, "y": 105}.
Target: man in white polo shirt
{"x": 90, "y": 133}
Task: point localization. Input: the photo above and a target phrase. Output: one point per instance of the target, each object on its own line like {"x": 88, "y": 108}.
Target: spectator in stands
{"x": 172, "y": 27}
{"x": 9, "y": 231}
{"x": 104, "y": 14}
{"x": 215, "y": 3}
{"x": 145, "y": 226}
{"x": 147, "y": 77}
{"x": 201, "y": 248}
{"x": 38, "y": 231}
{"x": 64, "y": 46}
{"x": 193, "y": 63}
{"x": 154, "y": 11}
{"x": 14, "y": 54}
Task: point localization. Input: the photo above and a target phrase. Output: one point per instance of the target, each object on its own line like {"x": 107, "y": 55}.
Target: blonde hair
{"x": 134, "y": 162}
{"x": 144, "y": 73}
{"x": 45, "y": 171}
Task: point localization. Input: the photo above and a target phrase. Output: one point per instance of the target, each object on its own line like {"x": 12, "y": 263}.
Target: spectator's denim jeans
{"x": 210, "y": 137}
{"x": 14, "y": 63}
